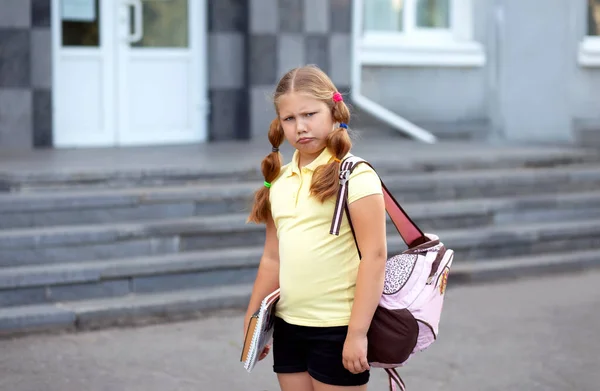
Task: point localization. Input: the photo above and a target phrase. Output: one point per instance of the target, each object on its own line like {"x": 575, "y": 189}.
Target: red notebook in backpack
{"x": 407, "y": 318}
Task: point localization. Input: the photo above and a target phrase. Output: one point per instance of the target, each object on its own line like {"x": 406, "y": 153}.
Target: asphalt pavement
{"x": 525, "y": 335}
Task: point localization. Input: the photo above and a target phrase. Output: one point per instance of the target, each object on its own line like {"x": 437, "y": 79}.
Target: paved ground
{"x": 528, "y": 335}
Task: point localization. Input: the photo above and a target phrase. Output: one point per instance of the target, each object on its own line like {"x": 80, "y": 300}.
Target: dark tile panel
{"x": 15, "y": 58}
{"x": 42, "y": 118}
{"x": 291, "y": 16}
{"x": 40, "y": 13}
{"x": 341, "y": 16}
{"x": 228, "y": 15}
{"x": 262, "y": 59}
{"x": 317, "y": 51}
{"x": 228, "y": 114}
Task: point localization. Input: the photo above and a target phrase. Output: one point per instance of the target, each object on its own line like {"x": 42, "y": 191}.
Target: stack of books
{"x": 260, "y": 331}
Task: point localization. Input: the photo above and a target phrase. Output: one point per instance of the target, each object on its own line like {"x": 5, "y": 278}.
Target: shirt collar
{"x": 324, "y": 158}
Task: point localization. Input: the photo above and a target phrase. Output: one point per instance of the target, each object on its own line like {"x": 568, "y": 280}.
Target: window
{"x": 418, "y": 32}
{"x": 406, "y": 16}
{"x": 589, "y": 50}
{"x": 593, "y": 18}
{"x": 80, "y": 24}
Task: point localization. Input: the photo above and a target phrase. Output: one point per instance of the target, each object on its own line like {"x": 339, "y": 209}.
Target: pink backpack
{"x": 408, "y": 315}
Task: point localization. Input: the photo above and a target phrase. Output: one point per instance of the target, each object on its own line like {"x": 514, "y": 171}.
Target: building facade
{"x": 514, "y": 70}
{"x": 112, "y": 73}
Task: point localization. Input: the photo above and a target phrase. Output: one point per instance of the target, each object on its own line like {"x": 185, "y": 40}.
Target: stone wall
{"x": 288, "y": 33}
{"x": 251, "y": 44}
{"x": 228, "y": 82}
{"x": 25, "y": 74}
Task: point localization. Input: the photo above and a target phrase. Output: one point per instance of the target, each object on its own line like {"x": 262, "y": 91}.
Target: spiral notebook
{"x": 260, "y": 331}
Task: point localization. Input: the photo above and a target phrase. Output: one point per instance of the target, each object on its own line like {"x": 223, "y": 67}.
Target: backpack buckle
{"x": 431, "y": 279}
{"x": 344, "y": 176}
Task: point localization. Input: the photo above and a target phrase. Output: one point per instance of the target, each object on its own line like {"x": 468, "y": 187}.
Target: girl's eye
{"x": 288, "y": 118}
{"x": 310, "y": 114}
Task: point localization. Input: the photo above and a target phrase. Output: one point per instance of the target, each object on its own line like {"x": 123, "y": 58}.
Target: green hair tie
{"x": 267, "y": 184}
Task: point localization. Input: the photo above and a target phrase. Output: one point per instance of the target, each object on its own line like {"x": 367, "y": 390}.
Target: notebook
{"x": 260, "y": 331}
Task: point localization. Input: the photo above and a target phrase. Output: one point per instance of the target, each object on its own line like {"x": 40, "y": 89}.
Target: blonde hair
{"x": 311, "y": 81}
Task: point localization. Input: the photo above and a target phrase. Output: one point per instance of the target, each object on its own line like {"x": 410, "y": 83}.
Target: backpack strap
{"x": 395, "y": 380}
{"x": 408, "y": 230}
{"x": 346, "y": 168}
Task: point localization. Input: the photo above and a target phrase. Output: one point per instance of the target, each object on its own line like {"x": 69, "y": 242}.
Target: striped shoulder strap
{"x": 408, "y": 230}
{"x": 346, "y": 168}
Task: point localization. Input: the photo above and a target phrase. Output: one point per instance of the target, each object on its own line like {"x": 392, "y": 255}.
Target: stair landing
{"x": 241, "y": 159}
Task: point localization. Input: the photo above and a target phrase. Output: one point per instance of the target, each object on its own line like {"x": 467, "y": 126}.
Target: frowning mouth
{"x": 305, "y": 140}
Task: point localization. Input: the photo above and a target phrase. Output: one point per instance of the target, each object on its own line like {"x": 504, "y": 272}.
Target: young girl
{"x": 328, "y": 295}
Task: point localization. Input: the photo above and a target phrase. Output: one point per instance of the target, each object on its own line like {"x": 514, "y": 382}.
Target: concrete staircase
{"x": 85, "y": 253}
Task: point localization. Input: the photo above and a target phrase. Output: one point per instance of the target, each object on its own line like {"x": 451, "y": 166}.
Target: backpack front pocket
{"x": 392, "y": 336}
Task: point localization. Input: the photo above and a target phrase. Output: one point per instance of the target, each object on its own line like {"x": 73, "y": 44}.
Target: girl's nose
{"x": 300, "y": 126}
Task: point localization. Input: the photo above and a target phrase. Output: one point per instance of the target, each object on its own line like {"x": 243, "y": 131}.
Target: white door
{"x": 129, "y": 72}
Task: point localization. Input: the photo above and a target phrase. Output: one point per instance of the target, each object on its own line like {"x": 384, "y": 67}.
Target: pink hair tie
{"x": 337, "y": 97}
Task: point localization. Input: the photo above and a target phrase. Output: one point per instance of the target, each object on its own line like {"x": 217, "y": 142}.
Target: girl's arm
{"x": 267, "y": 277}
{"x": 368, "y": 220}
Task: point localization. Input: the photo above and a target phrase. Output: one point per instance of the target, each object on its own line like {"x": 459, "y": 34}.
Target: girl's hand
{"x": 267, "y": 348}
{"x": 354, "y": 355}
{"x": 265, "y": 352}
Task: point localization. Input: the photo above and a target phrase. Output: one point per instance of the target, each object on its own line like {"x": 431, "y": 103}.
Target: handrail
{"x": 397, "y": 122}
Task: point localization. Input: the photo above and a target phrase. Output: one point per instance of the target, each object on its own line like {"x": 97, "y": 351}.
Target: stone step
{"x": 110, "y": 312}
{"x": 117, "y": 205}
{"x": 182, "y": 304}
{"x": 116, "y": 278}
{"x": 22, "y": 285}
{"x": 111, "y": 169}
{"x": 74, "y": 243}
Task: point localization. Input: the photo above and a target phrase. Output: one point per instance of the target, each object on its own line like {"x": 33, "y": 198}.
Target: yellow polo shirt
{"x": 317, "y": 273}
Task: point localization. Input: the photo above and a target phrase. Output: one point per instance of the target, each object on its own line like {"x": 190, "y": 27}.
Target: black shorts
{"x": 316, "y": 350}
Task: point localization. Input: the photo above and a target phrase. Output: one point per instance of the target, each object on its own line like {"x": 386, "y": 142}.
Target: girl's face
{"x": 306, "y": 122}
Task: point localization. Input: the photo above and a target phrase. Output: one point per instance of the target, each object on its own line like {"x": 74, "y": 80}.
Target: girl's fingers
{"x": 356, "y": 366}
{"x": 364, "y": 364}
{"x": 265, "y": 352}
{"x": 352, "y": 366}
{"x": 348, "y": 366}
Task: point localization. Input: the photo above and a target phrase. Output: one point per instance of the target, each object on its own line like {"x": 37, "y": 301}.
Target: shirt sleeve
{"x": 363, "y": 182}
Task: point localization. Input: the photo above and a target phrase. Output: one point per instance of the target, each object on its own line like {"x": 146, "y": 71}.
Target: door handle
{"x": 138, "y": 21}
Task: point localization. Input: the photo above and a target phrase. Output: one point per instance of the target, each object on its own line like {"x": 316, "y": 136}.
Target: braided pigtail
{"x": 326, "y": 177}
{"x": 270, "y": 166}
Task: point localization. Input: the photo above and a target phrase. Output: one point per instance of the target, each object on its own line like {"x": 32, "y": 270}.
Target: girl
{"x": 328, "y": 295}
